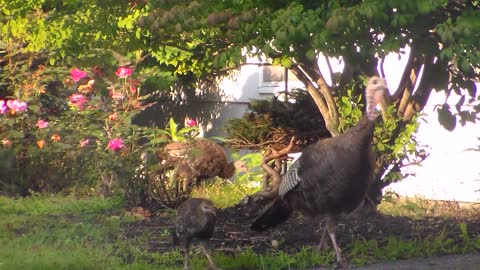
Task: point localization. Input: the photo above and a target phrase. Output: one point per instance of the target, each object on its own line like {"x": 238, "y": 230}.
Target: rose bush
{"x": 67, "y": 139}
{"x": 79, "y": 136}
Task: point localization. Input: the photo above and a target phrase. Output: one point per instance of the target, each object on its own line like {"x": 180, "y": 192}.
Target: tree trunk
{"x": 321, "y": 93}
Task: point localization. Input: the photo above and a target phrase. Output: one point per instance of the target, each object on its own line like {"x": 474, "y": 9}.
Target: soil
{"x": 233, "y": 233}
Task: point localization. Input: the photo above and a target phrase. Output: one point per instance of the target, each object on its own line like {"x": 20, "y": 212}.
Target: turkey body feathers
{"x": 198, "y": 160}
{"x": 330, "y": 177}
{"x": 192, "y": 222}
{"x": 196, "y": 219}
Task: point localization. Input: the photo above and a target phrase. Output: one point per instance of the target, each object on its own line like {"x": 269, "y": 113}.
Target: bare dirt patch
{"x": 233, "y": 232}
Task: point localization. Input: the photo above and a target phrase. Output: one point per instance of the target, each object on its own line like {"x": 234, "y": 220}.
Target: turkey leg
{"x": 331, "y": 232}
{"x": 185, "y": 263}
{"x": 322, "y": 245}
{"x": 211, "y": 263}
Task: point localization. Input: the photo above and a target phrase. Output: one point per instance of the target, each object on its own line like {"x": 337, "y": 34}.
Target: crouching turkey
{"x": 332, "y": 176}
{"x": 198, "y": 160}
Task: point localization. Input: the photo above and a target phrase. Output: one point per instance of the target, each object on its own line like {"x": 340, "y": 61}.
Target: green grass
{"x": 418, "y": 207}
{"x": 52, "y": 232}
{"x": 55, "y": 232}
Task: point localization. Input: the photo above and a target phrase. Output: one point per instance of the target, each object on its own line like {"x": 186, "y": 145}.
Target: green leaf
{"x": 466, "y": 65}
{"x": 446, "y": 118}
{"x": 173, "y": 127}
{"x": 311, "y": 55}
{"x": 286, "y": 62}
{"x": 446, "y": 53}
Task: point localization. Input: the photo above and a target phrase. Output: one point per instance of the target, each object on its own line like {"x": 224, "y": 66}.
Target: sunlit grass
{"x": 54, "y": 204}
{"x": 226, "y": 193}
{"x": 55, "y": 232}
{"x": 418, "y": 207}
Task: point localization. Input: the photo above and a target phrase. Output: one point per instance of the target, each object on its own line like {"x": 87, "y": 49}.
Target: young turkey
{"x": 332, "y": 176}
{"x": 198, "y": 160}
{"x": 196, "y": 219}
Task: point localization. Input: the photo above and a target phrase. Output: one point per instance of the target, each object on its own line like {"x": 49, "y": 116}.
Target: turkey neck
{"x": 227, "y": 171}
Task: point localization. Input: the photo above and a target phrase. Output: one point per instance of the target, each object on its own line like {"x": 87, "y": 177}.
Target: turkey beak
{"x": 210, "y": 209}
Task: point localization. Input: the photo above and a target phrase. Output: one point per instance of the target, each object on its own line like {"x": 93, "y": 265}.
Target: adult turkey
{"x": 199, "y": 159}
{"x": 332, "y": 176}
{"x": 196, "y": 218}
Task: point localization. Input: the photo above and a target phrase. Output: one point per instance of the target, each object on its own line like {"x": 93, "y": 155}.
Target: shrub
{"x": 273, "y": 122}
{"x": 61, "y": 135}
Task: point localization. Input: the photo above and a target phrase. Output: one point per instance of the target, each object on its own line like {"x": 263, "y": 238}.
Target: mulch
{"x": 233, "y": 234}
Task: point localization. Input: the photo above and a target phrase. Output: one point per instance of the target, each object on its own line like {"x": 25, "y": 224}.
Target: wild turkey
{"x": 331, "y": 176}
{"x": 195, "y": 220}
{"x": 198, "y": 160}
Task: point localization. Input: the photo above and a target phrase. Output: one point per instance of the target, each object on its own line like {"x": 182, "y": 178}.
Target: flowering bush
{"x": 83, "y": 136}
{"x": 80, "y": 137}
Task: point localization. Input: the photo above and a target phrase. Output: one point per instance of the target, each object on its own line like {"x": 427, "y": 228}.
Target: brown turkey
{"x": 199, "y": 159}
{"x": 332, "y": 176}
{"x": 196, "y": 219}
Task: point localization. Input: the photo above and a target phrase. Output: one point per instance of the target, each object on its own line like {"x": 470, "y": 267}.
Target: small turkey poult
{"x": 196, "y": 218}
{"x": 331, "y": 177}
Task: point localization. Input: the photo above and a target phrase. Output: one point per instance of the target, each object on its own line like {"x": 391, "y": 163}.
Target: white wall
{"x": 450, "y": 172}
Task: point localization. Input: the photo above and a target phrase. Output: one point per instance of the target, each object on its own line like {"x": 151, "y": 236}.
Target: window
{"x": 272, "y": 79}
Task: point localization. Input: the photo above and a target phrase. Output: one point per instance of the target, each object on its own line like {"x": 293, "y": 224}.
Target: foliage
{"x": 273, "y": 122}
{"x": 70, "y": 124}
{"x": 394, "y": 140}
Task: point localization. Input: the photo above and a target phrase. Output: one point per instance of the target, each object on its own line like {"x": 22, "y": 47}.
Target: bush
{"x": 71, "y": 133}
{"x": 273, "y": 122}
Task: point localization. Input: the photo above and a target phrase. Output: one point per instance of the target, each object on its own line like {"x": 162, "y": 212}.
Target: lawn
{"x": 57, "y": 232}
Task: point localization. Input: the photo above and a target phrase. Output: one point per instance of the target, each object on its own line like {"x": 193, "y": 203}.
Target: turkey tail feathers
{"x": 271, "y": 215}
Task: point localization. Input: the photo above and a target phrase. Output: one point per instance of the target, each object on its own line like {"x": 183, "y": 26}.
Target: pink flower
{"x": 6, "y": 143}
{"x": 123, "y": 72}
{"x": 84, "y": 143}
{"x": 116, "y": 144}
{"x": 77, "y": 74}
{"x": 42, "y": 123}
{"x": 190, "y": 122}
{"x": 3, "y": 107}
{"x": 17, "y": 105}
{"x": 118, "y": 96}
{"x": 133, "y": 89}
{"x": 78, "y": 100}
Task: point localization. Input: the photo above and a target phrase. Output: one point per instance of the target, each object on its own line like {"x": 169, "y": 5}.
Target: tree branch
{"x": 382, "y": 71}
{"x": 424, "y": 89}
{"x": 405, "y": 76}
{"x": 318, "y": 97}
{"x": 330, "y": 70}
